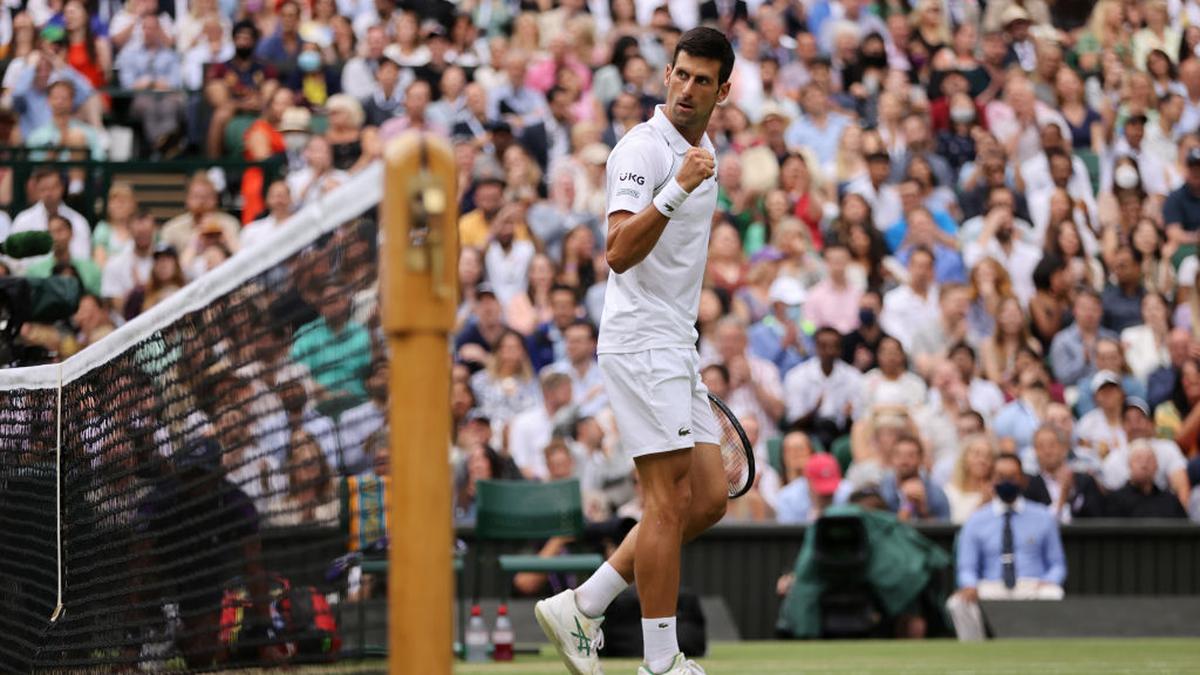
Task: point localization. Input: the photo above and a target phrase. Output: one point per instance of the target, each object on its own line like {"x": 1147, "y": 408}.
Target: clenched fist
{"x": 698, "y": 166}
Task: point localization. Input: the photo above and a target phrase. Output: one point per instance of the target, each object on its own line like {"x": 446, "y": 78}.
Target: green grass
{"x": 1036, "y": 657}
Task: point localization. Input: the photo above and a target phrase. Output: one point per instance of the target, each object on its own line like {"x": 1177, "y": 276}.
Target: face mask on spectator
{"x": 309, "y": 61}
{"x": 866, "y": 316}
{"x": 1126, "y": 177}
{"x": 962, "y": 115}
{"x": 244, "y": 52}
{"x": 1007, "y": 491}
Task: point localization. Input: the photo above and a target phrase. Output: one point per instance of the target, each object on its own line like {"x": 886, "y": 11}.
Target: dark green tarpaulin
{"x": 899, "y": 569}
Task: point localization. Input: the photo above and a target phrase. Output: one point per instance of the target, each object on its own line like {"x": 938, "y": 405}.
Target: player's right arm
{"x": 633, "y": 232}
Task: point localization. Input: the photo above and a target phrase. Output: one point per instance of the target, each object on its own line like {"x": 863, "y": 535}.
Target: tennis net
{"x": 181, "y": 494}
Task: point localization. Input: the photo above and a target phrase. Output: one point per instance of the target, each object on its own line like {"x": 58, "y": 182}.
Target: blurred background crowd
{"x": 946, "y": 229}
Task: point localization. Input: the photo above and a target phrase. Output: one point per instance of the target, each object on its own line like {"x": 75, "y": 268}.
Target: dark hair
{"x": 975, "y": 415}
{"x": 921, "y": 248}
{"x": 906, "y": 437}
{"x": 246, "y": 24}
{"x": 1050, "y": 263}
{"x": 1008, "y": 456}
{"x": 557, "y": 287}
{"x": 707, "y": 43}
{"x": 827, "y": 329}
{"x": 721, "y": 370}
{"x": 1178, "y": 395}
{"x": 962, "y": 346}
{"x": 591, "y": 327}
{"x": 555, "y": 91}
{"x": 41, "y": 173}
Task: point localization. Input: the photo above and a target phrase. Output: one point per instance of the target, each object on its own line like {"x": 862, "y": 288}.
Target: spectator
{"x": 166, "y": 278}
{"x": 62, "y": 128}
{"x": 860, "y": 347}
{"x": 417, "y": 96}
{"x": 1161, "y": 382}
{"x": 914, "y": 303}
{"x": 200, "y": 204}
{"x": 1000, "y": 241}
{"x": 111, "y": 237}
{"x": 60, "y": 233}
{"x": 834, "y": 301}
{"x": 793, "y": 503}
{"x": 311, "y": 496}
{"x": 352, "y": 145}
{"x": 507, "y": 386}
{"x": 1122, "y": 301}
{"x": 336, "y": 350}
{"x": 31, "y": 90}
{"x": 892, "y": 384}
{"x": 1181, "y": 210}
{"x": 983, "y": 395}
{"x": 818, "y": 128}
{"x": 754, "y": 383}
{"x": 907, "y": 490}
{"x": 532, "y": 428}
{"x": 1140, "y": 497}
{"x": 922, "y": 232}
{"x": 506, "y": 258}
{"x": 1179, "y": 416}
{"x": 1069, "y": 494}
{"x": 547, "y": 344}
{"x": 1110, "y": 356}
{"x": 779, "y": 337}
{"x": 931, "y": 342}
{"x": 1008, "y": 549}
{"x": 243, "y": 84}
{"x": 279, "y": 209}
{"x": 1073, "y": 351}
{"x": 970, "y": 486}
{"x": 319, "y": 177}
{"x": 154, "y": 70}
{"x": 48, "y": 187}
{"x": 1010, "y": 337}
{"x": 126, "y": 271}
{"x": 579, "y": 364}
{"x": 1102, "y": 430}
{"x": 1020, "y": 418}
{"x": 1171, "y": 473}
{"x": 823, "y": 394}
{"x": 477, "y": 340}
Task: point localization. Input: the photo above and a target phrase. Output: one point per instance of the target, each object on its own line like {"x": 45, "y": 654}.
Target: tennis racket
{"x": 736, "y": 453}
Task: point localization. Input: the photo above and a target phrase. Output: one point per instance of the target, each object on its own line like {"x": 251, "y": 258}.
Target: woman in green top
{"x": 111, "y": 236}
{"x": 1106, "y": 30}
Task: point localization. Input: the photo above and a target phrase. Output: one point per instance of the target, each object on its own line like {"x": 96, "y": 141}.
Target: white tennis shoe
{"x": 577, "y": 637}
{"x": 680, "y": 666}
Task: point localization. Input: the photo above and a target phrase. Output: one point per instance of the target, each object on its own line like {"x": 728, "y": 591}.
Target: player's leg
{"x": 666, "y": 499}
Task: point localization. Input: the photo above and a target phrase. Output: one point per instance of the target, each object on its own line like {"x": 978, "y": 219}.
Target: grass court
{"x": 1040, "y": 657}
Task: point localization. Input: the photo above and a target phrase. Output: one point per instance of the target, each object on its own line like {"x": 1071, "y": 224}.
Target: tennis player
{"x": 661, "y": 197}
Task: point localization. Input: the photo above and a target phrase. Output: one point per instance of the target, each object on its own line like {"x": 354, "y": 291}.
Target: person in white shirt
{"x": 358, "y": 75}
{"x": 318, "y": 177}
{"x": 131, "y": 269}
{"x": 913, "y": 304}
{"x": 1001, "y": 241}
{"x": 754, "y": 383}
{"x": 883, "y": 197}
{"x": 662, "y": 195}
{"x": 48, "y": 186}
{"x": 359, "y": 423}
{"x": 823, "y": 394}
{"x": 279, "y": 209}
{"x": 1152, "y": 173}
{"x": 506, "y": 258}
{"x": 1171, "y": 473}
{"x": 531, "y": 430}
{"x": 1102, "y": 430}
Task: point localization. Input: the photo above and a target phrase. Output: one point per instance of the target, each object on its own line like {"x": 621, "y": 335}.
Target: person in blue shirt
{"x": 779, "y": 337}
{"x": 1020, "y": 418}
{"x": 818, "y": 129}
{"x": 907, "y": 490}
{"x": 923, "y": 230}
{"x": 1009, "y": 548}
{"x": 896, "y": 235}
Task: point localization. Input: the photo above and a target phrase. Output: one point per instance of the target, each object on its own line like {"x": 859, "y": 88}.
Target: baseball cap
{"x": 484, "y": 288}
{"x": 1104, "y": 377}
{"x": 1193, "y": 157}
{"x": 823, "y": 474}
{"x": 773, "y": 109}
{"x": 1013, "y": 14}
{"x": 1139, "y": 403}
{"x": 165, "y": 249}
{"x": 787, "y": 290}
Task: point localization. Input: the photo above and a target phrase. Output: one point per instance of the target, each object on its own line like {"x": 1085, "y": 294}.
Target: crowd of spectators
{"x": 946, "y": 229}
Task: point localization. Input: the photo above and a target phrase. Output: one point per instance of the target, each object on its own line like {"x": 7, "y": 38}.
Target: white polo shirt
{"x": 653, "y": 305}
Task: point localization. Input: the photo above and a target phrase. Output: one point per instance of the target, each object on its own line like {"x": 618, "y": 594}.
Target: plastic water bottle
{"x": 477, "y": 636}
{"x": 502, "y": 636}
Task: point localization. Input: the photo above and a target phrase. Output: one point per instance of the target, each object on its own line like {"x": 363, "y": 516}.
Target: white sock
{"x": 659, "y": 642}
{"x": 597, "y": 593}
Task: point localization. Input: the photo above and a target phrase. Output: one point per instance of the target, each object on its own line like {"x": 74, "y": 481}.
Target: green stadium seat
{"x": 235, "y": 135}
{"x": 1183, "y": 252}
{"x": 526, "y": 511}
{"x": 1092, "y": 162}
{"x": 775, "y": 454}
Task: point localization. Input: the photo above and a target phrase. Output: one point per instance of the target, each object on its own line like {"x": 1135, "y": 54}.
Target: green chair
{"x": 527, "y": 511}
{"x": 775, "y": 454}
{"x": 1092, "y": 162}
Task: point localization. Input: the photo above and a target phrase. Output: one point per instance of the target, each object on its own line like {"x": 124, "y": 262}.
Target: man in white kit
{"x": 661, "y": 198}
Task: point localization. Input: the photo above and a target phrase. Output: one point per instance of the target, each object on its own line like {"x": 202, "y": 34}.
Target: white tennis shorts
{"x": 658, "y": 399}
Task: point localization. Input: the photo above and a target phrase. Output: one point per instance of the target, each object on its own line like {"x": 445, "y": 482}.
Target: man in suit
{"x": 1069, "y": 494}
{"x": 549, "y": 138}
{"x": 1009, "y": 549}
{"x": 625, "y": 113}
